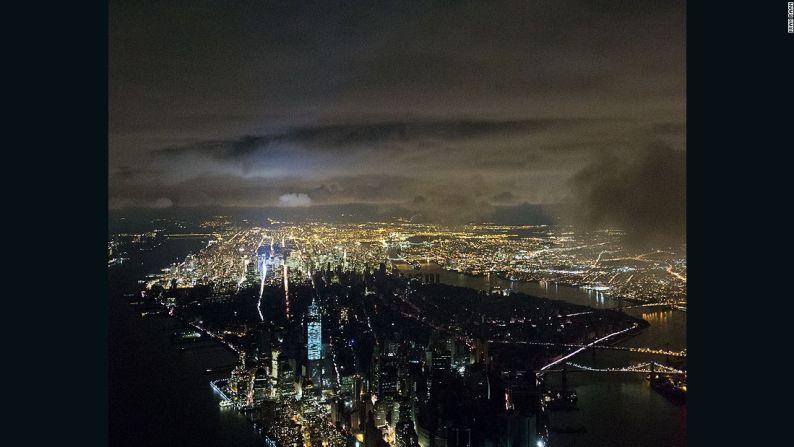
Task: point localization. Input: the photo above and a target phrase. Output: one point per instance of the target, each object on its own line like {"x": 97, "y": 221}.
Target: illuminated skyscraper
{"x": 314, "y": 344}
{"x": 286, "y": 290}
{"x": 262, "y": 255}
{"x": 314, "y": 332}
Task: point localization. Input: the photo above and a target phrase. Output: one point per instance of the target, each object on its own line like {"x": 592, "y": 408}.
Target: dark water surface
{"x": 616, "y": 409}
{"x": 158, "y": 395}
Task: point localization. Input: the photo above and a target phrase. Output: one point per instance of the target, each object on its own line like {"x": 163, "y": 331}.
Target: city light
{"x": 338, "y": 289}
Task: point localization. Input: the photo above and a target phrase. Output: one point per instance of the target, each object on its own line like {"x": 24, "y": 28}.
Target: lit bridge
{"x": 597, "y": 344}
{"x": 641, "y": 350}
{"x": 671, "y": 306}
{"x": 644, "y": 368}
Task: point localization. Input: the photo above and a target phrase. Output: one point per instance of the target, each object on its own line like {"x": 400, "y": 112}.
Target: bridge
{"x": 620, "y": 307}
{"x": 671, "y": 306}
{"x": 643, "y": 368}
{"x": 596, "y": 344}
{"x": 642, "y": 350}
{"x": 589, "y": 345}
{"x": 649, "y": 368}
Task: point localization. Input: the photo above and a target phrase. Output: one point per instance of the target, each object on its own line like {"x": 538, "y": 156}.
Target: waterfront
{"x": 159, "y": 396}
{"x": 616, "y": 409}
{"x": 666, "y": 326}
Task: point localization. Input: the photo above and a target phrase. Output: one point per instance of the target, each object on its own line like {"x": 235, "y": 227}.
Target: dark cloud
{"x": 503, "y": 197}
{"x": 163, "y": 202}
{"x": 382, "y": 102}
{"x": 233, "y": 190}
{"x": 449, "y": 208}
{"x": 645, "y": 196}
{"x": 346, "y": 136}
{"x": 126, "y": 172}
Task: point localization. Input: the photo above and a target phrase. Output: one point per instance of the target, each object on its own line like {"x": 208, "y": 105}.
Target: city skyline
{"x": 397, "y": 223}
{"x": 367, "y": 328}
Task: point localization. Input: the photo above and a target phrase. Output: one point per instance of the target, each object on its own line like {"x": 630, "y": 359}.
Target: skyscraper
{"x": 387, "y": 381}
{"x": 314, "y": 332}
{"x": 314, "y": 344}
{"x": 286, "y": 290}
{"x": 262, "y": 255}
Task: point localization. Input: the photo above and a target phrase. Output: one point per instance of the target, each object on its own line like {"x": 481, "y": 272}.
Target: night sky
{"x": 449, "y": 109}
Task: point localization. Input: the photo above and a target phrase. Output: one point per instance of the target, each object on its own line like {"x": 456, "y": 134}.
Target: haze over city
{"x": 448, "y": 110}
{"x": 397, "y": 224}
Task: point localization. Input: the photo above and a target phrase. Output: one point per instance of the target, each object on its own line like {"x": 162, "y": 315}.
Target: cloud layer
{"x": 446, "y": 109}
{"x": 293, "y": 199}
{"x": 645, "y": 196}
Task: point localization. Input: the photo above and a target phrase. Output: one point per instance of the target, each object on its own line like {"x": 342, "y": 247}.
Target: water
{"x": 159, "y": 396}
{"x": 546, "y": 290}
{"x": 616, "y": 409}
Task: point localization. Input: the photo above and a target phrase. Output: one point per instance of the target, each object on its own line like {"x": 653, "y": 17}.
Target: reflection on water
{"x": 669, "y": 328}
{"x": 660, "y": 317}
{"x": 617, "y": 409}
{"x": 159, "y": 396}
{"x": 620, "y": 410}
{"x": 543, "y": 289}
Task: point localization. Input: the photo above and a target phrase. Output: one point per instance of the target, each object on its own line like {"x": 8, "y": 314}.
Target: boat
{"x": 187, "y": 335}
{"x": 674, "y": 390}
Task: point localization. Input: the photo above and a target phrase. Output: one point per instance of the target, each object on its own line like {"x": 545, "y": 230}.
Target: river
{"x": 160, "y": 396}
{"x": 616, "y": 409}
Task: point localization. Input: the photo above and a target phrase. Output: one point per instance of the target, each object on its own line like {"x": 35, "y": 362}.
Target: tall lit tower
{"x": 286, "y": 289}
{"x": 314, "y": 344}
{"x": 314, "y": 328}
{"x": 262, "y": 255}
{"x": 245, "y": 269}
